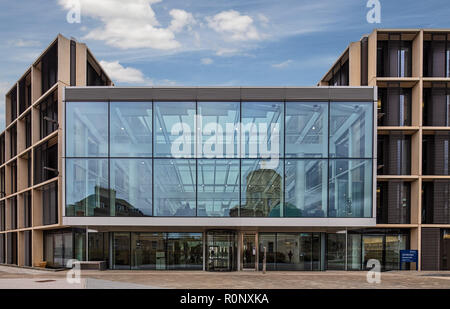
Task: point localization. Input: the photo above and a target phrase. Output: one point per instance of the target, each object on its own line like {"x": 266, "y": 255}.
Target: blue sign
{"x": 409, "y": 256}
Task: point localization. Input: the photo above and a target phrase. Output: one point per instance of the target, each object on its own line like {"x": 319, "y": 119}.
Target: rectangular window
{"x": 394, "y": 57}
{"x": 2, "y": 149}
{"x": 13, "y": 212}
{"x": 46, "y": 161}
{"x": 2, "y": 182}
{"x": 218, "y": 188}
{"x": 13, "y": 141}
{"x": 87, "y": 191}
{"x": 13, "y": 104}
{"x": 435, "y": 152}
{"x": 28, "y": 130}
{"x": 87, "y": 129}
{"x": 175, "y": 187}
{"x": 131, "y": 129}
{"x": 95, "y": 76}
{"x": 307, "y": 129}
{"x": 25, "y": 93}
{"x": 436, "y": 202}
{"x": 350, "y": 189}
{"x": 393, "y": 202}
{"x": 174, "y": 129}
{"x": 50, "y": 204}
{"x": 27, "y": 216}
{"x": 48, "y": 115}
{"x": 49, "y": 69}
{"x": 394, "y": 154}
{"x": 2, "y": 249}
{"x": 2, "y": 216}
{"x": 436, "y": 110}
{"x": 395, "y": 109}
{"x": 131, "y": 187}
{"x": 11, "y": 243}
{"x": 13, "y": 176}
{"x": 351, "y": 130}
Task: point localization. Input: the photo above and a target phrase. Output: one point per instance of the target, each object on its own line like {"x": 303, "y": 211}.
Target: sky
{"x": 202, "y": 42}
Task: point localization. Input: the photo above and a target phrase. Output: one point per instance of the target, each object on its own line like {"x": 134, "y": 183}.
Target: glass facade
{"x": 219, "y": 159}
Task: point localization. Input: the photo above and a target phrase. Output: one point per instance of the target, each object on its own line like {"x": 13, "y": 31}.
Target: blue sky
{"x": 203, "y": 42}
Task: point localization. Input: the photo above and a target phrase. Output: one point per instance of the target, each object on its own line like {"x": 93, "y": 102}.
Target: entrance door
{"x": 372, "y": 249}
{"x": 249, "y": 252}
{"x": 221, "y": 250}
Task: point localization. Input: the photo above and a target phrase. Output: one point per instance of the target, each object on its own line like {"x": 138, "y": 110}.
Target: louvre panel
{"x": 430, "y": 248}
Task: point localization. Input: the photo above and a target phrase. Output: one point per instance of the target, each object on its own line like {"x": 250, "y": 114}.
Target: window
{"x": 218, "y": 188}
{"x": 306, "y": 129}
{"x": 13, "y": 176}
{"x": 175, "y": 134}
{"x": 336, "y": 244}
{"x": 395, "y": 109}
{"x": 175, "y": 187}
{"x": 436, "y": 202}
{"x": 219, "y": 129}
{"x": 25, "y": 93}
{"x": 394, "y": 57}
{"x": 87, "y": 129}
{"x": 351, "y": 130}
{"x": 28, "y": 130}
{"x": 45, "y": 161}
{"x": 87, "y": 192}
{"x": 2, "y": 149}
{"x": 340, "y": 74}
{"x": 436, "y": 153}
{"x": 262, "y": 129}
{"x": 436, "y": 110}
{"x": 131, "y": 187}
{"x": 50, "y": 204}
{"x": 13, "y": 141}
{"x": 393, "y": 202}
{"x": 27, "y": 217}
{"x": 261, "y": 189}
{"x": 13, "y": 104}
{"x": 2, "y": 216}
{"x": 394, "y": 154}
{"x": 436, "y": 48}
{"x": 95, "y": 76}
{"x": 49, "y": 68}
{"x": 131, "y": 129}
{"x": 13, "y": 213}
{"x": 2, "y": 182}
{"x": 11, "y": 245}
{"x": 48, "y": 115}
{"x": 306, "y": 188}
{"x": 2, "y": 249}
{"x": 350, "y": 189}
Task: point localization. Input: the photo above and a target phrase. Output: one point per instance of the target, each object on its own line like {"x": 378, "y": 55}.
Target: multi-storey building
{"x": 31, "y": 151}
{"x": 411, "y": 68}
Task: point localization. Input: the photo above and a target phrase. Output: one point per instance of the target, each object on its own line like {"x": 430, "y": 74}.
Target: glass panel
{"x": 58, "y": 258}
{"x": 261, "y": 189}
{"x": 96, "y": 246}
{"x": 394, "y": 243}
{"x": 354, "y": 252}
{"x": 175, "y": 187}
{"x": 249, "y": 251}
{"x": 219, "y": 129}
{"x": 131, "y": 129}
{"x": 372, "y": 249}
{"x": 79, "y": 249}
{"x": 294, "y": 251}
{"x": 148, "y": 251}
{"x": 174, "y": 129}
{"x": 121, "y": 251}
{"x": 351, "y": 130}
{"x": 185, "y": 251}
{"x": 350, "y": 188}
{"x": 86, "y": 129}
{"x": 307, "y": 129}
{"x": 306, "y": 188}
{"x": 131, "y": 187}
{"x": 221, "y": 250}
{"x": 445, "y": 250}
{"x": 336, "y": 251}
{"x": 262, "y": 129}
{"x": 87, "y": 187}
{"x": 218, "y": 188}
{"x": 267, "y": 241}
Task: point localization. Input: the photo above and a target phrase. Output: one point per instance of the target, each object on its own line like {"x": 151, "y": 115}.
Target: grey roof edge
{"x": 219, "y": 93}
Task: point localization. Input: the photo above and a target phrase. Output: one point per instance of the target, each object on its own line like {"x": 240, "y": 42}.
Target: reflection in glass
{"x": 268, "y": 241}
{"x": 87, "y": 187}
{"x": 87, "y": 129}
{"x": 185, "y": 251}
{"x": 131, "y": 129}
{"x": 262, "y": 129}
{"x": 148, "y": 251}
{"x": 336, "y": 251}
{"x": 221, "y": 250}
{"x": 306, "y": 188}
{"x": 306, "y": 129}
{"x": 177, "y": 118}
{"x": 219, "y": 129}
{"x": 372, "y": 249}
{"x": 131, "y": 187}
{"x": 218, "y": 187}
{"x": 350, "y": 188}
{"x": 121, "y": 248}
{"x": 394, "y": 243}
{"x": 261, "y": 190}
{"x": 351, "y": 130}
{"x": 354, "y": 252}
{"x": 175, "y": 187}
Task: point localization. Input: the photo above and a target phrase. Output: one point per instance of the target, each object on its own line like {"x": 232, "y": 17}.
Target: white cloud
{"x": 122, "y": 74}
{"x": 180, "y": 20}
{"x": 132, "y": 23}
{"x": 207, "y": 61}
{"x": 283, "y": 64}
{"x": 234, "y": 26}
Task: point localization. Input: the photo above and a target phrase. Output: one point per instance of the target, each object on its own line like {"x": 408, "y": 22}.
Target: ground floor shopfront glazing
{"x": 229, "y": 250}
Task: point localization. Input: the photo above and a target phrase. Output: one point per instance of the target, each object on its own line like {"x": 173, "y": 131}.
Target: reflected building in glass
{"x": 216, "y": 178}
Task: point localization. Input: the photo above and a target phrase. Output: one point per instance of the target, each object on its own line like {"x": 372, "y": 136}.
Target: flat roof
{"x": 362, "y": 93}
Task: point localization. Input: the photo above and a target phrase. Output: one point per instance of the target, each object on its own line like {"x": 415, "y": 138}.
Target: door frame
{"x": 241, "y": 247}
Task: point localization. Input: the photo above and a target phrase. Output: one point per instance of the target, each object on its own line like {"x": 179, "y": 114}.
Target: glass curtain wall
{"x": 219, "y": 159}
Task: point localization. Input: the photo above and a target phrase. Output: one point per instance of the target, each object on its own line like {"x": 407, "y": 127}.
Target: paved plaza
{"x": 19, "y": 278}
